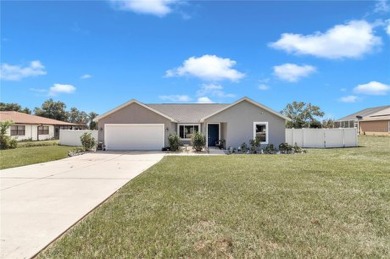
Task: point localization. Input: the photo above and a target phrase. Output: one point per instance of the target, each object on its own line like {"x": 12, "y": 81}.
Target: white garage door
{"x": 134, "y": 136}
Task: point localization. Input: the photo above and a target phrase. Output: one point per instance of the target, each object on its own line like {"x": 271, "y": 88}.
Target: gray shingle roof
{"x": 364, "y": 113}
{"x": 188, "y": 113}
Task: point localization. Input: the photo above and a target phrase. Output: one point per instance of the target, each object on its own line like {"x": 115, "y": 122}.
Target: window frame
{"x": 265, "y": 123}
{"x": 43, "y": 131}
{"x": 184, "y": 125}
{"x": 18, "y": 131}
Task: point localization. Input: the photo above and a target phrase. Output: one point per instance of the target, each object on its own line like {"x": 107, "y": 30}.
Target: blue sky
{"x": 96, "y": 55}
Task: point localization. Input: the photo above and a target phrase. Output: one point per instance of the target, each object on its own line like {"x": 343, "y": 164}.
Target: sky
{"x": 97, "y": 55}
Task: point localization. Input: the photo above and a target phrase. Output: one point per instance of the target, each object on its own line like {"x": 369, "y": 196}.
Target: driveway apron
{"x": 39, "y": 202}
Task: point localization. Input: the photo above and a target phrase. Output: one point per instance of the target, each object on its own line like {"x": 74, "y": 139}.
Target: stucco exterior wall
{"x": 238, "y": 124}
{"x": 135, "y": 113}
{"x": 31, "y": 133}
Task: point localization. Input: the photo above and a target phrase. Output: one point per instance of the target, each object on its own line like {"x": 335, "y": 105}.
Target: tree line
{"x": 55, "y": 110}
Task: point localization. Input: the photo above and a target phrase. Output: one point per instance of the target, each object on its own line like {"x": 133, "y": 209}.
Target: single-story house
{"x": 370, "y": 121}
{"x": 376, "y": 124}
{"x": 27, "y": 126}
{"x": 138, "y": 126}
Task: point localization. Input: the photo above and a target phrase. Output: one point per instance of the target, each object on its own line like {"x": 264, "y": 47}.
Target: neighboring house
{"x": 138, "y": 126}
{"x": 27, "y": 126}
{"x": 370, "y": 121}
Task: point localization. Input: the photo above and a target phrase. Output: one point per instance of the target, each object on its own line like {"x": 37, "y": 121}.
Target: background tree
{"x": 53, "y": 110}
{"x": 13, "y": 107}
{"x": 303, "y": 115}
{"x": 76, "y": 116}
{"x": 328, "y": 123}
{"x": 92, "y": 124}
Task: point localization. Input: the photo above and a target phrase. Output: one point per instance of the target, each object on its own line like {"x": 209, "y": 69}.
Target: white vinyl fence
{"x": 322, "y": 138}
{"x": 72, "y": 137}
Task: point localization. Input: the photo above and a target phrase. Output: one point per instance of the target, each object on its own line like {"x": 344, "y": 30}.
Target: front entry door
{"x": 213, "y": 134}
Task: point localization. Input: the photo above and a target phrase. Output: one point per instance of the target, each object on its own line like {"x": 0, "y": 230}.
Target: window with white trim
{"x": 18, "y": 130}
{"x": 260, "y": 130}
{"x": 43, "y": 130}
{"x": 186, "y": 130}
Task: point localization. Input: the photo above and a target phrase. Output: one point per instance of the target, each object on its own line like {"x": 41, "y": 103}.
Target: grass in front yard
{"x": 31, "y": 155}
{"x": 329, "y": 203}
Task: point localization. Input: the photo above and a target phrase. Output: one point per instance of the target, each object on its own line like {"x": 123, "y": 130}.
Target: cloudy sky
{"x": 96, "y": 55}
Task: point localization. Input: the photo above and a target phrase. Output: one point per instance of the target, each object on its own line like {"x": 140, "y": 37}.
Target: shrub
{"x": 269, "y": 149}
{"x": 244, "y": 147}
{"x": 198, "y": 141}
{"x": 87, "y": 141}
{"x": 174, "y": 142}
{"x": 5, "y": 141}
{"x": 285, "y": 148}
{"x": 255, "y": 143}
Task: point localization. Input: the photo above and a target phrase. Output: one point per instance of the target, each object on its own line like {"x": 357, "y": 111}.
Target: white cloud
{"x": 372, "y": 88}
{"x": 387, "y": 27}
{"x": 60, "y": 88}
{"x": 154, "y": 7}
{"x": 175, "y": 98}
{"x": 292, "y": 72}
{"x": 263, "y": 87}
{"x": 349, "y": 99}
{"x": 351, "y": 40}
{"x": 209, "y": 68}
{"x": 213, "y": 90}
{"x": 381, "y": 6}
{"x": 85, "y": 76}
{"x": 204, "y": 99}
{"x": 15, "y": 73}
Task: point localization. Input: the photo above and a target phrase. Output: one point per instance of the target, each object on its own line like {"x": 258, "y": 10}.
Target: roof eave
{"x": 250, "y": 101}
{"x": 127, "y": 104}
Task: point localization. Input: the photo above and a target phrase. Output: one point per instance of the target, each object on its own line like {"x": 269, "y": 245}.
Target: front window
{"x": 43, "y": 130}
{"x": 186, "y": 131}
{"x": 18, "y": 130}
{"x": 261, "y": 131}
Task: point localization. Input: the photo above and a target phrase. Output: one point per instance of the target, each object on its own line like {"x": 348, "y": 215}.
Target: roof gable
{"x": 129, "y": 103}
{"x": 246, "y": 99}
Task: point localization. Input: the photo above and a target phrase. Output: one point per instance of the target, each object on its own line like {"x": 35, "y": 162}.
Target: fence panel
{"x": 72, "y": 137}
{"x": 322, "y": 138}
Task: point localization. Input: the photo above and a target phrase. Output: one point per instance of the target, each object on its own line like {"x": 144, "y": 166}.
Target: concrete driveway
{"x": 39, "y": 202}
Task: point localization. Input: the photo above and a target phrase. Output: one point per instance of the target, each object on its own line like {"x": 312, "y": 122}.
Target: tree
{"x": 76, "y": 116}
{"x": 5, "y": 141}
{"x": 92, "y": 124}
{"x": 302, "y": 115}
{"x": 13, "y": 107}
{"x": 328, "y": 123}
{"x": 53, "y": 110}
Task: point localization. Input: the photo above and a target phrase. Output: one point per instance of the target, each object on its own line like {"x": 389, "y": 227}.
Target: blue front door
{"x": 213, "y": 134}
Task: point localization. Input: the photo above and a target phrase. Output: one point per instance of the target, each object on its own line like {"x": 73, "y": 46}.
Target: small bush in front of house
{"x": 5, "y": 141}
{"x": 87, "y": 141}
{"x": 255, "y": 144}
{"x": 244, "y": 147}
{"x": 198, "y": 141}
{"x": 285, "y": 148}
{"x": 174, "y": 142}
{"x": 270, "y": 149}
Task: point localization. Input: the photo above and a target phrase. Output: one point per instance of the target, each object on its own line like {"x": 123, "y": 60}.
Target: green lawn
{"x": 31, "y": 155}
{"x": 332, "y": 203}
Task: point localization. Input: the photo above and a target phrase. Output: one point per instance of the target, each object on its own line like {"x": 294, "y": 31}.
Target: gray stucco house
{"x": 138, "y": 126}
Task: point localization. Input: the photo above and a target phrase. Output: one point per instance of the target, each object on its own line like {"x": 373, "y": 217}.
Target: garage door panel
{"x": 134, "y": 136}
